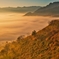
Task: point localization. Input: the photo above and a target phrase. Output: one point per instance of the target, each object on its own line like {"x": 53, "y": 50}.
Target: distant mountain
{"x": 50, "y": 10}
{"x": 43, "y": 44}
{"x": 19, "y": 9}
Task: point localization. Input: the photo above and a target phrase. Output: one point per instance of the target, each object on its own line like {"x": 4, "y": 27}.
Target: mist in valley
{"x": 13, "y": 25}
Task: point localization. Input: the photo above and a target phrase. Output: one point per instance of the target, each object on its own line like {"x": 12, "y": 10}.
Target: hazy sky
{"x": 5, "y": 3}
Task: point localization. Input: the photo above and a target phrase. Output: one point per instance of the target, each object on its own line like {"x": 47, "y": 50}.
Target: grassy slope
{"x": 42, "y": 45}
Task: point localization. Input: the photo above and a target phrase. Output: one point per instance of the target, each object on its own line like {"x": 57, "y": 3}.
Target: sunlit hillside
{"x": 43, "y": 44}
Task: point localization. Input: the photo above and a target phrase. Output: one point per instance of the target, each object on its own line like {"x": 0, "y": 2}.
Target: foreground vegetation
{"x": 43, "y": 44}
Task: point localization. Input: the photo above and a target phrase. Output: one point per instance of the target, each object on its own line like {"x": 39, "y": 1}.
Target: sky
{"x": 15, "y": 3}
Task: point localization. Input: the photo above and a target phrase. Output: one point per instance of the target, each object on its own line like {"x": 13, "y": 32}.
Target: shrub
{"x": 34, "y": 33}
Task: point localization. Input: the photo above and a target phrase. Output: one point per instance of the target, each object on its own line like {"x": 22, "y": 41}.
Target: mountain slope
{"x": 50, "y": 10}
{"x": 43, "y": 44}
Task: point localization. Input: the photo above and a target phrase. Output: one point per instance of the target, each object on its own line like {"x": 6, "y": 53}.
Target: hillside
{"x": 19, "y": 9}
{"x": 43, "y": 44}
{"x": 51, "y": 9}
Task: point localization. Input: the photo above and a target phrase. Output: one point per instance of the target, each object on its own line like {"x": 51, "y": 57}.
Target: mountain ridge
{"x": 51, "y": 9}
{"x": 19, "y": 9}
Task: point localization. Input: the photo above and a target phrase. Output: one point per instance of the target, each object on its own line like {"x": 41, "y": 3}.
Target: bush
{"x": 19, "y": 38}
{"x": 34, "y": 33}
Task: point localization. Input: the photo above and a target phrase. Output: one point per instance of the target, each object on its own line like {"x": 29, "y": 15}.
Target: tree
{"x": 34, "y": 33}
{"x": 19, "y": 38}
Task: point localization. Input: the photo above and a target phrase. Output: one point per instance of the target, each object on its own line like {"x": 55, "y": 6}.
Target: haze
{"x": 12, "y": 25}
{"x": 15, "y": 3}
